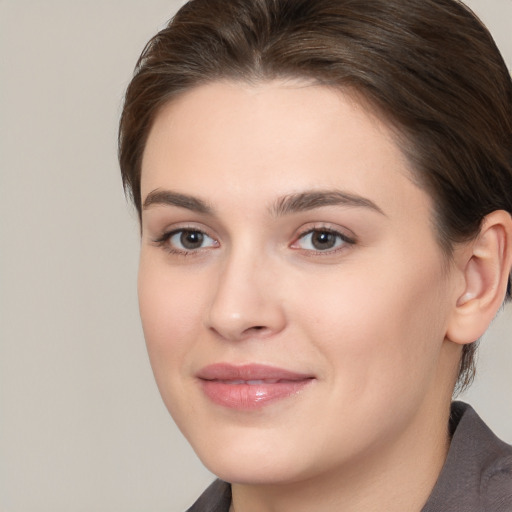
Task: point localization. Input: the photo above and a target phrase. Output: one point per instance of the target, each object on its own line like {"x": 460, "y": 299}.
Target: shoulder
{"x": 216, "y": 498}
{"x": 496, "y": 482}
{"x": 477, "y": 475}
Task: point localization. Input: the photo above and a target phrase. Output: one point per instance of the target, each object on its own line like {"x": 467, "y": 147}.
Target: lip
{"x": 250, "y": 386}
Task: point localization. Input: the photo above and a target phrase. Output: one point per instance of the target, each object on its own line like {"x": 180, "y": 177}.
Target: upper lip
{"x": 249, "y": 372}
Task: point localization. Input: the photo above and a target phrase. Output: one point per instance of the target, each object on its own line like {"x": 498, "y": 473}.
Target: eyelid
{"x": 163, "y": 240}
{"x": 344, "y": 237}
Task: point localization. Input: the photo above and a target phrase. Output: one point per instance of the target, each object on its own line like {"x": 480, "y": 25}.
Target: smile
{"x": 250, "y": 386}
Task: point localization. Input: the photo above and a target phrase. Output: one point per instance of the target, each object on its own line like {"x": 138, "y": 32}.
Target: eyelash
{"x": 164, "y": 241}
{"x": 342, "y": 239}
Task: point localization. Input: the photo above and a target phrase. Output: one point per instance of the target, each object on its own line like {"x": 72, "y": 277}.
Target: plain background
{"x": 82, "y": 427}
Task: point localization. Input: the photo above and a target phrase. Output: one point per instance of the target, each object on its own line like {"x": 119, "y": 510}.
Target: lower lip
{"x": 251, "y": 396}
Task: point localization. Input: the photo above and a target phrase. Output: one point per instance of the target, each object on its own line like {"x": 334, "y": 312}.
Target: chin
{"x": 258, "y": 459}
{"x": 253, "y": 471}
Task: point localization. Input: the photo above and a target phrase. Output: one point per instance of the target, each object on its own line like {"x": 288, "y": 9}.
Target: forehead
{"x": 229, "y": 141}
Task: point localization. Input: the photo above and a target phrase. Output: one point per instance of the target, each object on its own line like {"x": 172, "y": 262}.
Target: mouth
{"x": 251, "y": 386}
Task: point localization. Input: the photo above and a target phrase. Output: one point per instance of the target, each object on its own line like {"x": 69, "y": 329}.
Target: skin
{"x": 368, "y": 318}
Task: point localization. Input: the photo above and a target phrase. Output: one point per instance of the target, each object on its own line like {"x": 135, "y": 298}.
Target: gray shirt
{"x": 476, "y": 477}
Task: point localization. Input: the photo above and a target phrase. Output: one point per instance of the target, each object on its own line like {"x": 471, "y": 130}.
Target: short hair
{"x": 430, "y": 67}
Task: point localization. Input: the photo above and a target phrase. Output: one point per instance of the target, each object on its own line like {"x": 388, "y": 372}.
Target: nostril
{"x": 255, "y": 331}
{"x": 255, "y": 328}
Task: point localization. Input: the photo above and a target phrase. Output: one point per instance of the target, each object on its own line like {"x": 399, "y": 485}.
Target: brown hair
{"x": 430, "y": 66}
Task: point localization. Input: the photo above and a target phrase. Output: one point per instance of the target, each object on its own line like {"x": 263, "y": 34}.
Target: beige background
{"x": 82, "y": 427}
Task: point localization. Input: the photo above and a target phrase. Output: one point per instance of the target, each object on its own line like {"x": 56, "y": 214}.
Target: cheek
{"x": 170, "y": 314}
{"x": 382, "y": 327}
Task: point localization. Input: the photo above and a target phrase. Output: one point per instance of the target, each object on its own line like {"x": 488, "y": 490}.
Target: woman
{"x": 324, "y": 195}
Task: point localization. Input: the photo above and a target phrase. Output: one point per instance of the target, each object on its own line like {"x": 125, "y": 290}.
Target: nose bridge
{"x": 245, "y": 301}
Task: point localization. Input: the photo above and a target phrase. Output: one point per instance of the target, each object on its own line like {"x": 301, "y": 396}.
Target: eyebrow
{"x": 310, "y": 200}
{"x": 291, "y": 203}
{"x": 169, "y": 198}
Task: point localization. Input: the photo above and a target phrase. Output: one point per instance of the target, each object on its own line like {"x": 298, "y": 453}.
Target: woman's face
{"x": 293, "y": 297}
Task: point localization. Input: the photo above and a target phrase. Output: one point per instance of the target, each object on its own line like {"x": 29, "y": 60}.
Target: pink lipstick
{"x": 249, "y": 386}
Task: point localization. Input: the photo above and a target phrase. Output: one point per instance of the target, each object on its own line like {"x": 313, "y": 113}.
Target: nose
{"x": 245, "y": 303}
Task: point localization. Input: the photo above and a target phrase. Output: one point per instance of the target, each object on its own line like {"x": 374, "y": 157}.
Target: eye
{"x": 183, "y": 241}
{"x": 321, "y": 240}
{"x": 189, "y": 240}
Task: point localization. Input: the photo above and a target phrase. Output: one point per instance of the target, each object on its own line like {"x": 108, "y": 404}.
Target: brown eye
{"x": 323, "y": 240}
{"x": 319, "y": 240}
{"x": 189, "y": 240}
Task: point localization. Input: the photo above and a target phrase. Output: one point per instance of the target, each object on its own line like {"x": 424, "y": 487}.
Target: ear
{"x": 485, "y": 264}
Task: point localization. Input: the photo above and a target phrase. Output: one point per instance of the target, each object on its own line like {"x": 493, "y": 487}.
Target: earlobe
{"x": 486, "y": 264}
